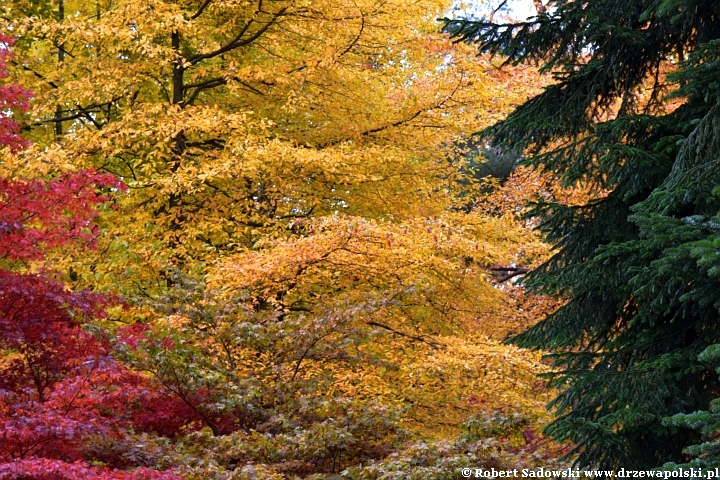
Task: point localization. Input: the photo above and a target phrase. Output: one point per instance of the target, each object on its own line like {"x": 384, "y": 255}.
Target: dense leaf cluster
{"x": 61, "y": 388}
{"x": 306, "y": 275}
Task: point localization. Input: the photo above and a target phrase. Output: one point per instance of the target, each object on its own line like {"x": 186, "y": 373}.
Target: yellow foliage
{"x": 296, "y": 160}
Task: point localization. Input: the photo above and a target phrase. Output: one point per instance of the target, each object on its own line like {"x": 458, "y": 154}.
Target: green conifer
{"x": 640, "y": 264}
{"x": 705, "y": 455}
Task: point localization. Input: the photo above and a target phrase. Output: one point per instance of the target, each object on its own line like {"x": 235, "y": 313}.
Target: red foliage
{"x": 37, "y": 215}
{"x": 59, "y": 384}
{"x": 45, "y": 469}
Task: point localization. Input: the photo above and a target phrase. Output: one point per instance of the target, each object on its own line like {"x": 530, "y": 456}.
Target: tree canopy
{"x": 294, "y": 254}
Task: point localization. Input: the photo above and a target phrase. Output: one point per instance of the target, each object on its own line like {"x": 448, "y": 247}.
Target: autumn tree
{"x": 297, "y": 244}
{"x": 255, "y": 127}
{"x": 633, "y": 115}
{"x": 59, "y": 385}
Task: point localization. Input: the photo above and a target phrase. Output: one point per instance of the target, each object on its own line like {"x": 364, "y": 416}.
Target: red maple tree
{"x": 60, "y": 386}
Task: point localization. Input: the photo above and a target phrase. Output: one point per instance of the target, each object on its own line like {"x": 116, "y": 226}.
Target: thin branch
{"x": 201, "y": 9}
{"x": 370, "y": 131}
{"x": 510, "y": 272}
{"x": 357, "y": 37}
{"x": 492, "y": 15}
{"x": 38, "y": 75}
{"x": 199, "y": 87}
{"x": 302, "y": 357}
{"x": 87, "y": 115}
{"x": 248, "y": 86}
{"x": 207, "y": 83}
{"x": 402, "y": 334}
{"x": 238, "y": 41}
{"x": 216, "y": 82}
{"x": 401, "y": 121}
{"x": 213, "y": 142}
{"x": 60, "y": 119}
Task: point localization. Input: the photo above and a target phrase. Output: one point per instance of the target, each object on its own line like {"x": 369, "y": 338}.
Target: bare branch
{"x": 199, "y": 87}
{"x": 201, "y": 9}
{"x": 402, "y": 334}
{"x": 510, "y": 272}
{"x": 357, "y": 37}
{"x": 38, "y": 75}
{"x": 239, "y": 41}
{"x": 498, "y": 9}
{"x": 216, "y": 82}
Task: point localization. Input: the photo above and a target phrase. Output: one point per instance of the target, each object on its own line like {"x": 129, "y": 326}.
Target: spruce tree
{"x": 633, "y": 113}
{"x": 705, "y": 455}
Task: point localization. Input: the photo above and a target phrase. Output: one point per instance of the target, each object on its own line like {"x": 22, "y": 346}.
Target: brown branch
{"x": 201, "y": 9}
{"x": 510, "y": 272}
{"x": 38, "y": 75}
{"x": 213, "y": 82}
{"x": 82, "y": 111}
{"x": 397, "y": 123}
{"x": 238, "y": 41}
{"x": 370, "y": 131}
{"x": 498, "y": 9}
{"x": 216, "y": 82}
{"x": 402, "y": 334}
{"x": 87, "y": 115}
{"x": 248, "y": 86}
{"x": 183, "y": 396}
{"x": 199, "y": 87}
{"x": 357, "y": 37}
{"x": 302, "y": 357}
